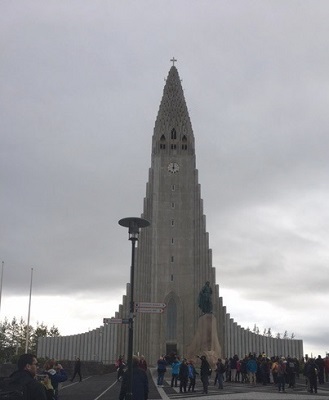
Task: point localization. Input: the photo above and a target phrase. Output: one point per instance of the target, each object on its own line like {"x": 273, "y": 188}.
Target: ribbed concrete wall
{"x": 241, "y": 342}
{"x": 106, "y": 343}
{"x": 101, "y": 344}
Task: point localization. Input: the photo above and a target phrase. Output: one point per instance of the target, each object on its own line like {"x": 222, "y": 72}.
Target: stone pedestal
{"x": 205, "y": 341}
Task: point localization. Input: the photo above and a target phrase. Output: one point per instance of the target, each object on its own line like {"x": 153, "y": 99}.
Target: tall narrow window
{"x": 173, "y": 188}
{"x": 172, "y": 240}
{"x": 162, "y": 142}
{"x": 172, "y": 205}
{"x": 172, "y": 222}
{"x": 173, "y": 134}
{"x": 171, "y": 320}
{"x": 172, "y": 259}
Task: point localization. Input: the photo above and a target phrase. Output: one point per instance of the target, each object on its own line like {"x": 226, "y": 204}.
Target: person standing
{"x": 192, "y": 376}
{"x": 162, "y": 368}
{"x": 220, "y": 373}
{"x": 320, "y": 367}
{"x": 120, "y": 366}
{"x": 57, "y": 374}
{"x": 205, "y": 371}
{"x": 174, "y": 372}
{"x": 234, "y": 366}
{"x": 252, "y": 369}
{"x": 311, "y": 372}
{"x": 326, "y": 367}
{"x": 140, "y": 386}
{"x": 25, "y": 375}
{"x": 281, "y": 375}
{"x": 183, "y": 376}
{"x": 77, "y": 369}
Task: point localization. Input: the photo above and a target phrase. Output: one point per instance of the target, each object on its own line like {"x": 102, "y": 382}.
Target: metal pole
{"x": 1, "y": 283}
{"x": 134, "y": 224}
{"x": 131, "y": 322}
{"x": 28, "y": 316}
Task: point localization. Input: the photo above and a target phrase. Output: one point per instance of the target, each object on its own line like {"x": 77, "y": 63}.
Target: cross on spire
{"x": 173, "y": 61}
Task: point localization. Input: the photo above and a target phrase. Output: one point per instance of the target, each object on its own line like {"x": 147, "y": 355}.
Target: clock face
{"x": 173, "y": 167}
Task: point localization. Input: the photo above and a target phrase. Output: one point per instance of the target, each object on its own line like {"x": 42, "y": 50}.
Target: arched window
{"x": 171, "y": 320}
{"x": 173, "y": 134}
{"x": 184, "y": 145}
{"x": 162, "y": 142}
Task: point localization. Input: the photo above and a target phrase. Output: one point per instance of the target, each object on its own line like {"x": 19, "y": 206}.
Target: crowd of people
{"x": 280, "y": 371}
{"x": 252, "y": 369}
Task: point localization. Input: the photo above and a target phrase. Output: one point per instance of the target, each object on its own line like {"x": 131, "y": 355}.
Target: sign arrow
{"x": 150, "y": 305}
{"x": 149, "y": 310}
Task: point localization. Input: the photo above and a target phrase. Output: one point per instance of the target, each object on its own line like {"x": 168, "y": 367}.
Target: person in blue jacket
{"x": 175, "y": 372}
{"x": 57, "y": 374}
{"x": 252, "y": 369}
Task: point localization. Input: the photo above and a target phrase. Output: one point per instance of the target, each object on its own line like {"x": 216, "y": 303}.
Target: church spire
{"x": 173, "y": 120}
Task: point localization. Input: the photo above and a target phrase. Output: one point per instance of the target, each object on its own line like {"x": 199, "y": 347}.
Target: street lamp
{"x": 134, "y": 224}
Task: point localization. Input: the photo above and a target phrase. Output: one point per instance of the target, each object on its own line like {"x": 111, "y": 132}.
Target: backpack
{"x": 10, "y": 390}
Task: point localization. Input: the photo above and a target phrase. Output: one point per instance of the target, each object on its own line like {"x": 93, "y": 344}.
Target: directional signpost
{"x": 115, "y": 320}
{"x": 150, "y": 308}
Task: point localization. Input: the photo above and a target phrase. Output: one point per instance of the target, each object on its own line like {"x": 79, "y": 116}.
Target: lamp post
{"x": 134, "y": 224}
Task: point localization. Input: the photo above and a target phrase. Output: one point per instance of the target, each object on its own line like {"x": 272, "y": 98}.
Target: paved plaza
{"x": 239, "y": 391}
{"x": 105, "y": 387}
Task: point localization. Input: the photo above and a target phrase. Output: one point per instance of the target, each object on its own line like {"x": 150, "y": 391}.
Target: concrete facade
{"x": 173, "y": 259}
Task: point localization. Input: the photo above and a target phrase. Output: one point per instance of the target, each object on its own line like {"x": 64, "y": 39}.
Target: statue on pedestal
{"x": 204, "y": 301}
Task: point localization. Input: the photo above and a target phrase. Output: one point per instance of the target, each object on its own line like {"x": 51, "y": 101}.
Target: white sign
{"x": 149, "y": 310}
{"x": 150, "y": 305}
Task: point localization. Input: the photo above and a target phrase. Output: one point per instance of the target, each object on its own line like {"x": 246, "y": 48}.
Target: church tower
{"x": 173, "y": 263}
{"x": 173, "y": 259}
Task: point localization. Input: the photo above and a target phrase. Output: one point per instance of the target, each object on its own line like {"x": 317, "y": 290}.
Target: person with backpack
{"x": 291, "y": 373}
{"x": 23, "y": 380}
{"x": 281, "y": 374}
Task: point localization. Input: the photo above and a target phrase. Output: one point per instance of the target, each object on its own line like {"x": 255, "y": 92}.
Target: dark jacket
{"x": 205, "y": 368}
{"x": 183, "y": 372}
{"x": 33, "y": 390}
{"x": 140, "y": 385}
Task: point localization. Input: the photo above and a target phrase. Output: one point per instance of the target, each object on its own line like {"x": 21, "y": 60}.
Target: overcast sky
{"x": 81, "y": 85}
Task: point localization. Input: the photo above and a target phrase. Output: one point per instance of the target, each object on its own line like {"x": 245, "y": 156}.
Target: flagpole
{"x": 1, "y": 284}
{"x": 28, "y": 316}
